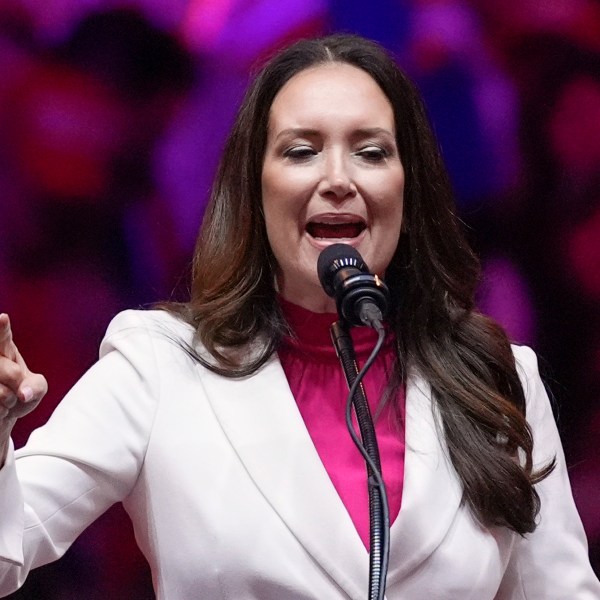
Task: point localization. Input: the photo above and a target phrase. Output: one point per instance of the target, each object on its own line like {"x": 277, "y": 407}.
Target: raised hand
{"x": 20, "y": 389}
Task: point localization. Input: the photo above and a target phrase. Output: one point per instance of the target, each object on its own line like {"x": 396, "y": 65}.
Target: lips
{"x": 333, "y": 229}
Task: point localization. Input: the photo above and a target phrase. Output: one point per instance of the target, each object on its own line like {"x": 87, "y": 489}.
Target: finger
{"x": 7, "y": 348}
{"x": 8, "y": 397}
{"x": 33, "y": 388}
{"x": 10, "y": 401}
{"x": 12, "y": 375}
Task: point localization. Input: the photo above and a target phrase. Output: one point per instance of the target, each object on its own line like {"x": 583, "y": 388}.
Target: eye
{"x": 299, "y": 153}
{"x": 373, "y": 154}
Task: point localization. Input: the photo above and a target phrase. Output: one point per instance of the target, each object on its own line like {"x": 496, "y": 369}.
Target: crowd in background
{"x": 112, "y": 118}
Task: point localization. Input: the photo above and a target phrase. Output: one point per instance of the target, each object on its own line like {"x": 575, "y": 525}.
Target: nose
{"x": 336, "y": 180}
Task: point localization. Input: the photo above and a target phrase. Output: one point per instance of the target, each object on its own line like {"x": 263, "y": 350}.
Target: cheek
{"x": 388, "y": 214}
{"x": 280, "y": 221}
{"x": 388, "y": 206}
{"x": 284, "y": 199}
{"x": 281, "y": 216}
{"x": 271, "y": 202}
{"x": 274, "y": 191}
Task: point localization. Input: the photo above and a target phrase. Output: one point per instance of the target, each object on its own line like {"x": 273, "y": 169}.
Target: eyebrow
{"x": 362, "y": 132}
{"x": 299, "y": 131}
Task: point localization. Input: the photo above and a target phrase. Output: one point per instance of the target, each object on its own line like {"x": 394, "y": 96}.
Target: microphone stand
{"x": 378, "y": 508}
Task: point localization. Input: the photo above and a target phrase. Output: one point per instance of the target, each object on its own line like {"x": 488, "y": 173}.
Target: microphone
{"x": 361, "y": 297}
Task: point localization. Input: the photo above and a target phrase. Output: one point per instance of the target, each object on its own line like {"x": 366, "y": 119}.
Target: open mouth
{"x": 337, "y": 231}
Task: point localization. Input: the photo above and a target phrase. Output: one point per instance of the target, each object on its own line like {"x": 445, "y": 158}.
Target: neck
{"x": 314, "y": 299}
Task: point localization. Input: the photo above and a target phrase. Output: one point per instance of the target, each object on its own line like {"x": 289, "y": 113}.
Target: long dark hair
{"x": 433, "y": 275}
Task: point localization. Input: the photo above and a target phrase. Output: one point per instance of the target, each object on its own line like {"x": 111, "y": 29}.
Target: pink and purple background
{"x": 113, "y": 114}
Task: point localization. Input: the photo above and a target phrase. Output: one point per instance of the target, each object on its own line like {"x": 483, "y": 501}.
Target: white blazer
{"x": 229, "y": 499}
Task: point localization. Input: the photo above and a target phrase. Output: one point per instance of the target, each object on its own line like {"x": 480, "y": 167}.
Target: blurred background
{"x": 113, "y": 114}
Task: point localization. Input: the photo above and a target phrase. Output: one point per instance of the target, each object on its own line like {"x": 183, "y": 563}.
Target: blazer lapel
{"x": 431, "y": 493}
{"x": 262, "y": 423}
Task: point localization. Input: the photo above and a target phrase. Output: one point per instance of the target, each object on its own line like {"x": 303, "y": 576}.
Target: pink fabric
{"x": 317, "y": 382}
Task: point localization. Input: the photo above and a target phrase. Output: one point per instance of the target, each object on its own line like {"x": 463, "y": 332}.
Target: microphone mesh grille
{"x": 334, "y": 258}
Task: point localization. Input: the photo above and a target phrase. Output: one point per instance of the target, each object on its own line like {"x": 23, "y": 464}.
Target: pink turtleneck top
{"x": 317, "y": 382}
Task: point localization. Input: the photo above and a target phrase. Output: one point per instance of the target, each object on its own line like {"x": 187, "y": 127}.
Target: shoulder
{"x": 150, "y": 322}
{"x": 525, "y": 357}
{"x": 538, "y": 406}
{"x": 147, "y": 331}
{"x": 526, "y": 362}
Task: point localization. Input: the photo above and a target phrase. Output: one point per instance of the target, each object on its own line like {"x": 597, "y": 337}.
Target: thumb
{"x": 33, "y": 388}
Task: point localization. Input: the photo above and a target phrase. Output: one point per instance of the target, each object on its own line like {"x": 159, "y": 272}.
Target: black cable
{"x": 378, "y": 502}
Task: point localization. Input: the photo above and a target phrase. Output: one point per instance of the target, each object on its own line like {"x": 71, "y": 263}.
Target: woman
{"x": 201, "y": 418}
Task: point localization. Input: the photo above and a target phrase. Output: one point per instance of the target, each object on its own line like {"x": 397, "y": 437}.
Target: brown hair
{"x": 433, "y": 276}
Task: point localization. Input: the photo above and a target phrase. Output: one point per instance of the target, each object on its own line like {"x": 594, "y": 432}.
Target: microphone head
{"x": 345, "y": 277}
{"x": 333, "y": 259}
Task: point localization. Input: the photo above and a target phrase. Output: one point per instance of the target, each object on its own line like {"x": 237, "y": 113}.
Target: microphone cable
{"x": 379, "y": 513}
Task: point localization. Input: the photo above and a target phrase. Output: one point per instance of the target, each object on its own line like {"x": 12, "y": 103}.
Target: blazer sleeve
{"x": 85, "y": 458}
{"x": 552, "y": 562}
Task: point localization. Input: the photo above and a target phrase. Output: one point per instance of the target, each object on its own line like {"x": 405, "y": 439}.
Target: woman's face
{"x": 331, "y": 174}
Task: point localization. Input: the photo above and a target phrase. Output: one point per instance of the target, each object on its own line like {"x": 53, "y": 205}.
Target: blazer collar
{"x": 262, "y": 423}
{"x": 431, "y": 495}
